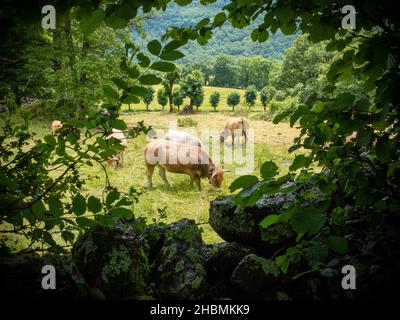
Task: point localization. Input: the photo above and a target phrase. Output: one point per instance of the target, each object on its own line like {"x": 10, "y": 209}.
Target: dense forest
{"x": 226, "y": 40}
{"x": 324, "y": 227}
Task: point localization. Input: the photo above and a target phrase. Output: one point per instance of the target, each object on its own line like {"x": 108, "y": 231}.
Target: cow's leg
{"x": 233, "y": 138}
{"x": 198, "y": 182}
{"x": 149, "y": 174}
{"x": 121, "y": 157}
{"x": 245, "y": 137}
{"x": 163, "y": 176}
{"x": 191, "y": 182}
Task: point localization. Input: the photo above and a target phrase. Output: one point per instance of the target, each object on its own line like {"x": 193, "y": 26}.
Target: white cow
{"x": 183, "y": 138}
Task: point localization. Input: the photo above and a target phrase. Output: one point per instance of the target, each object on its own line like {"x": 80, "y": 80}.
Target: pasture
{"x": 181, "y": 201}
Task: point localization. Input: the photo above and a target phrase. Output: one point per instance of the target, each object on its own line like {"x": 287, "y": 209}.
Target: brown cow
{"x": 180, "y": 158}
{"x": 234, "y": 125}
{"x": 118, "y": 159}
{"x": 56, "y": 125}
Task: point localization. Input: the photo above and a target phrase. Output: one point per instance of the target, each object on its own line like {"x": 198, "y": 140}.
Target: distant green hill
{"x": 226, "y": 40}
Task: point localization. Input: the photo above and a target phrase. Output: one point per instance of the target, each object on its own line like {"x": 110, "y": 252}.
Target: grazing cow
{"x": 118, "y": 159}
{"x": 180, "y": 158}
{"x": 56, "y": 125}
{"x": 184, "y": 138}
{"x": 234, "y": 125}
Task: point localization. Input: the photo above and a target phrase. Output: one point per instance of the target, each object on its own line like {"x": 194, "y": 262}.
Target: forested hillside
{"x": 225, "y": 40}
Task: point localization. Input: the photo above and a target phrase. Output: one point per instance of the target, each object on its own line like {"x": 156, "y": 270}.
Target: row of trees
{"x": 195, "y": 93}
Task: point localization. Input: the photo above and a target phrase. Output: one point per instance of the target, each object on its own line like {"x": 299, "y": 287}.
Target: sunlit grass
{"x": 271, "y": 142}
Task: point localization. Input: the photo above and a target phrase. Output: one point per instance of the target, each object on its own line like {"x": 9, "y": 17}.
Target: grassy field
{"x": 271, "y": 142}
{"x": 206, "y": 106}
{"x": 181, "y": 201}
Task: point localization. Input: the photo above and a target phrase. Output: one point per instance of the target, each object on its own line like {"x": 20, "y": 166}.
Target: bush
{"x": 275, "y": 106}
{"x": 250, "y": 95}
{"x": 214, "y": 99}
{"x": 233, "y": 100}
{"x": 187, "y": 122}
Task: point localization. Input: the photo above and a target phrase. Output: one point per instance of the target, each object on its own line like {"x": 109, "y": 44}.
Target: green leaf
{"x": 383, "y": 151}
{"x": 338, "y": 244}
{"x": 122, "y": 212}
{"x": 219, "y": 18}
{"x": 281, "y": 116}
{"x": 86, "y": 222}
{"x": 172, "y": 55}
{"x": 91, "y": 24}
{"x": 243, "y": 182}
{"x": 111, "y": 197}
{"x": 51, "y": 140}
{"x": 317, "y": 254}
{"x": 183, "y": 2}
{"x": 110, "y": 93}
{"x": 283, "y": 263}
{"x": 68, "y": 236}
{"x": 55, "y": 205}
{"x": 163, "y": 66}
{"x": 302, "y": 109}
{"x": 269, "y": 220}
{"x": 284, "y": 13}
{"x": 138, "y": 91}
{"x": 299, "y": 161}
{"x": 79, "y": 205}
{"x": 130, "y": 98}
{"x": 133, "y": 73}
{"x": 120, "y": 83}
{"x": 38, "y": 209}
{"x": 268, "y": 170}
{"x": 116, "y": 22}
{"x": 174, "y": 44}
{"x": 94, "y": 204}
{"x": 119, "y": 124}
{"x": 144, "y": 60}
{"x": 154, "y": 47}
{"x": 150, "y": 79}
{"x": 307, "y": 220}
{"x": 202, "y": 23}
{"x": 105, "y": 220}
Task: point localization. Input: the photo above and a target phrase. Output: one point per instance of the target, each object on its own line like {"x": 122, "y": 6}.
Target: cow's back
{"x": 177, "y": 157}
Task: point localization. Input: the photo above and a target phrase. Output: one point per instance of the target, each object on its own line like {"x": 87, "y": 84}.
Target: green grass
{"x": 181, "y": 201}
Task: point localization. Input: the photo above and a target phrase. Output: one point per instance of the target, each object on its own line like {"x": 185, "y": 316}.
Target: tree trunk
{"x": 171, "y": 86}
{"x": 147, "y": 107}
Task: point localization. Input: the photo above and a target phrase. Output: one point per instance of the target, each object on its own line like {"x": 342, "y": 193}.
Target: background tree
{"x": 177, "y": 98}
{"x": 162, "y": 98}
{"x": 198, "y": 100}
{"x": 250, "y": 95}
{"x": 214, "y": 99}
{"x": 264, "y": 97}
{"x": 233, "y": 100}
{"x": 192, "y": 87}
{"x": 225, "y": 72}
{"x": 148, "y": 98}
{"x": 171, "y": 78}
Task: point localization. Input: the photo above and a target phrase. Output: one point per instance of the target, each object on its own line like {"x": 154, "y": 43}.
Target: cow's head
{"x": 216, "y": 176}
{"x": 223, "y": 135}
